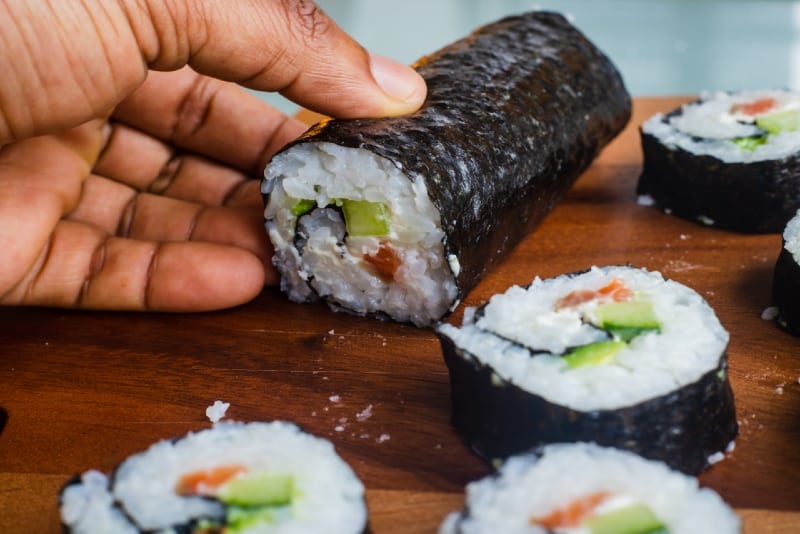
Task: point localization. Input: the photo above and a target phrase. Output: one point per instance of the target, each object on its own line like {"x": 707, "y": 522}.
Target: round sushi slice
{"x": 730, "y": 160}
{"x": 400, "y": 217}
{"x": 614, "y": 355}
{"x": 233, "y": 478}
{"x": 786, "y": 279}
{"x": 582, "y": 488}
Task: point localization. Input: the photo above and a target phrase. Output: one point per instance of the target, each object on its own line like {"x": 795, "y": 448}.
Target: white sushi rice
{"x": 791, "y": 237}
{"x": 217, "y": 411}
{"x": 328, "y": 496}
{"x": 690, "y": 343}
{"x": 331, "y": 264}
{"x": 527, "y": 487}
{"x": 707, "y": 127}
{"x": 87, "y": 507}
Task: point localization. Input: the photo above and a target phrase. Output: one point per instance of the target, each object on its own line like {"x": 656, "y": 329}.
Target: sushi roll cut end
{"x": 235, "y": 478}
{"x": 616, "y": 355}
{"x": 582, "y": 488}
{"x": 729, "y": 160}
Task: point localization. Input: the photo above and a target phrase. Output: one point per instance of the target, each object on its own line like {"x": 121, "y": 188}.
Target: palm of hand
{"x": 158, "y": 208}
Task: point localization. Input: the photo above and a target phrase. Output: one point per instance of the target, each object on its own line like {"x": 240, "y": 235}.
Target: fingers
{"x": 290, "y": 46}
{"x": 145, "y": 164}
{"x": 63, "y": 63}
{"x": 60, "y": 229}
{"x": 210, "y": 117}
{"x": 40, "y": 180}
{"x": 164, "y": 219}
{"x": 82, "y": 266}
{"x": 68, "y": 62}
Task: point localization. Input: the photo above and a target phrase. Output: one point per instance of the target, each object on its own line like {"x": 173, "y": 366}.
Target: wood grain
{"x": 85, "y": 389}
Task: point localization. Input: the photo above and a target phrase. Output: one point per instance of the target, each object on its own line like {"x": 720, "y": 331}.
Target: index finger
{"x": 290, "y": 46}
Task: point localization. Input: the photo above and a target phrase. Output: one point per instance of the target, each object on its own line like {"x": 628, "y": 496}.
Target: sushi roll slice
{"x": 582, "y": 488}
{"x": 236, "y": 478}
{"x": 400, "y": 217}
{"x": 730, "y": 160}
{"x": 786, "y": 279}
{"x": 614, "y": 355}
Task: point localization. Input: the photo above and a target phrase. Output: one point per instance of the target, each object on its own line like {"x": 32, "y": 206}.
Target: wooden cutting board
{"x": 86, "y": 389}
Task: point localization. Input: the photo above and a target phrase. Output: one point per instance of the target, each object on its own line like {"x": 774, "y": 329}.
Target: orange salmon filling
{"x": 755, "y": 107}
{"x": 573, "y": 514}
{"x": 616, "y": 290}
{"x": 386, "y": 260}
{"x": 205, "y": 481}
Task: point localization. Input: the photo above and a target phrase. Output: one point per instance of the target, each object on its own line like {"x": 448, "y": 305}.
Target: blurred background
{"x": 661, "y": 46}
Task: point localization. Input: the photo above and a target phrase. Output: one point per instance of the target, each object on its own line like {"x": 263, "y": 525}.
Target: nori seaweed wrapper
{"x": 754, "y": 197}
{"x": 786, "y": 291}
{"x": 497, "y": 419}
{"x": 515, "y": 112}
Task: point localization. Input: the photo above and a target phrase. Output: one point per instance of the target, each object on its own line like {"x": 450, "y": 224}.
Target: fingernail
{"x": 400, "y": 82}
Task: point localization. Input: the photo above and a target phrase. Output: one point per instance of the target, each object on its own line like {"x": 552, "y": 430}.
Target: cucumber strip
{"x": 593, "y": 354}
{"x": 633, "y": 519}
{"x": 259, "y": 489}
{"x": 303, "y": 206}
{"x": 365, "y": 218}
{"x": 628, "y": 319}
{"x": 787, "y": 120}
{"x": 750, "y": 143}
{"x": 240, "y": 519}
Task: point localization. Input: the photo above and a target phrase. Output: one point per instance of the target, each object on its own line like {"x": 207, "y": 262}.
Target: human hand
{"x": 127, "y": 188}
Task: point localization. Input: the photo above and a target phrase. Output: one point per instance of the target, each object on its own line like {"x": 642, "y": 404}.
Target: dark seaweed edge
{"x": 786, "y": 291}
{"x": 497, "y": 418}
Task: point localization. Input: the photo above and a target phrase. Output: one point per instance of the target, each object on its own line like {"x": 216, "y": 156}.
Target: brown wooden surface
{"x": 87, "y": 389}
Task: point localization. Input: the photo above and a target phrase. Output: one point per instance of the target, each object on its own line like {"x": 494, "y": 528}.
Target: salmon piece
{"x": 205, "y": 481}
{"x": 616, "y": 290}
{"x": 573, "y": 514}
{"x": 387, "y": 261}
{"x": 755, "y": 107}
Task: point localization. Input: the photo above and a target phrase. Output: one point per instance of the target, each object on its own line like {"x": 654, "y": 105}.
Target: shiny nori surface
{"x": 498, "y": 419}
{"x": 756, "y": 197}
{"x": 786, "y": 291}
{"x": 515, "y": 112}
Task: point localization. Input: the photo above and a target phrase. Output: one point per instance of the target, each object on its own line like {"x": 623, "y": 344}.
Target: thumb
{"x": 290, "y": 46}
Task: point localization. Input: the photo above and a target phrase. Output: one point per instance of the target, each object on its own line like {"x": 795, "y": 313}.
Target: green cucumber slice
{"x": 365, "y": 218}
{"x": 632, "y": 519}
{"x": 303, "y": 206}
{"x": 259, "y": 489}
{"x": 242, "y": 519}
{"x": 593, "y": 354}
{"x": 787, "y": 120}
{"x": 628, "y": 319}
{"x": 751, "y": 143}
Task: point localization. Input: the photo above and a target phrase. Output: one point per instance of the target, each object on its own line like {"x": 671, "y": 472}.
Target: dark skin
{"x": 130, "y": 157}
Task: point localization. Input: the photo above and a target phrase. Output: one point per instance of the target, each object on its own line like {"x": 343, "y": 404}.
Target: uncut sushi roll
{"x": 730, "y": 160}
{"x": 400, "y": 217}
{"x": 614, "y": 355}
{"x": 582, "y": 488}
{"x": 786, "y": 278}
{"x": 236, "y": 478}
